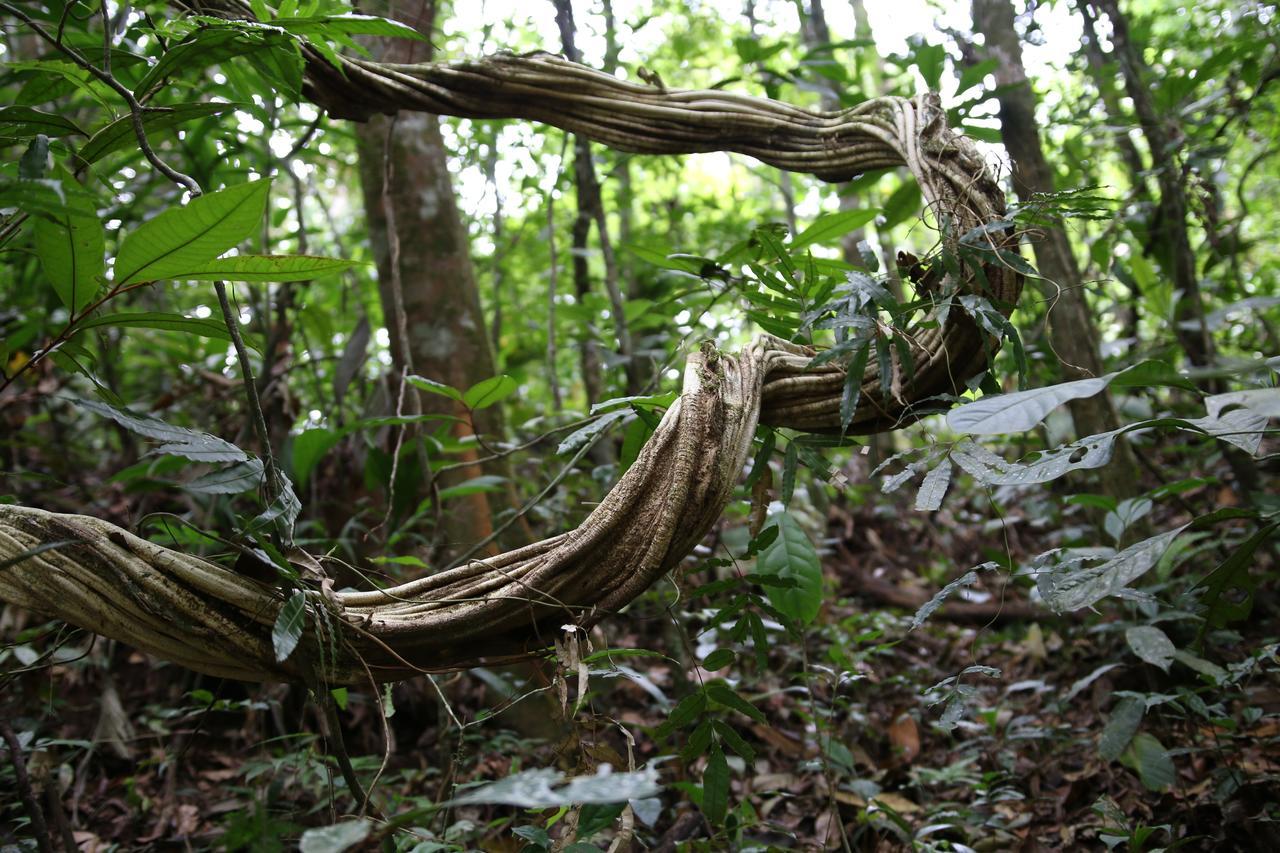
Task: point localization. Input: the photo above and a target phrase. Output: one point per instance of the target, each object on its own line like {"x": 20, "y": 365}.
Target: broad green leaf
{"x": 902, "y": 204}
{"x": 210, "y": 46}
{"x": 120, "y": 133}
{"x": 184, "y": 238}
{"x": 718, "y": 659}
{"x": 309, "y": 447}
{"x": 43, "y": 197}
{"x": 1149, "y": 373}
{"x": 832, "y": 226}
{"x": 1151, "y": 644}
{"x": 287, "y": 630}
{"x": 1073, "y": 588}
{"x": 1151, "y": 760}
{"x": 202, "y": 327}
{"x": 176, "y": 441}
{"x": 1229, "y": 588}
{"x": 277, "y": 268}
{"x": 792, "y": 556}
{"x": 430, "y": 385}
{"x": 486, "y": 392}
{"x": 715, "y": 786}
{"x": 1121, "y": 727}
{"x": 476, "y": 485}
{"x": 72, "y": 251}
{"x": 26, "y": 122}
{"x": 545, "y": 788}
{"x": 337, "y": 838}
{"x": 327, "y": 26}
{"x": 1209, "y": 669}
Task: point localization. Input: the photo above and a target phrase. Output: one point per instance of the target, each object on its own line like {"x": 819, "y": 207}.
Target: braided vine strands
{"x": 209, "y": 618}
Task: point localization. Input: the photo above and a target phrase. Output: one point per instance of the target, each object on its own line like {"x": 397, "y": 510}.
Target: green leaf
{"x": 715, "y": 786}
{"x": 275, "y": 268}
{"x": 211, "y": 45}
{"x": 431, "y": 386}
{"x": 1121, "y": 727}
{"x": 185, "y": 238}
{"x": 792, "y": 556}
{"x": 486, "y": 392}
{"x": 685, "y": 711}
{"x": 831, "y": 226}
{"x": 720, "y": 692}
{"x": 309, "y": 447}
{"x": 287, "y": 630}
{"x": 327, "y": 26}
{"x": 734, "y": 740}
{"x": 121, "y": 134}
{"x": 718, "y": 659}
{"x": 1151, "y": 760}
{"x": 1151, "y": 644}
{"x": 902, "y": 205}
{"x": 177, "y": 441}
{"x": 43, "y": 197}
{"x": 476, "y": 485}
{"x": 25, "y": 122}
{"x": 201, "y": 327}
{"x": 72, "y": 251}
{"x": 1229, "y": 588}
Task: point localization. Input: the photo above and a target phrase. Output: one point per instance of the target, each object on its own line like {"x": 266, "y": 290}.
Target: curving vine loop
{"x": 209, "y": 618}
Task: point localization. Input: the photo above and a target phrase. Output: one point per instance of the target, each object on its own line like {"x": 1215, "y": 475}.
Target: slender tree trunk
{"x": 1071, "y": 327}
{"x": 589, "y": 200}
{"x": 1171, "y": 228}
{"x": 427, "y": 259}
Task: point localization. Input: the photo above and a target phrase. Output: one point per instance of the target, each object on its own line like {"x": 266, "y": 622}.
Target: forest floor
{"x": 857, "y": 752}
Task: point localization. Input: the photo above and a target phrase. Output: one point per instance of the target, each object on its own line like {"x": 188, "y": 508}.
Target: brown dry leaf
{"x": 187, "y": 820}
{"x": 826, "y": 828}
{"x": 87, "y": 842}
{"x": 897, "y": 802}
{"x": 905, "y": 737}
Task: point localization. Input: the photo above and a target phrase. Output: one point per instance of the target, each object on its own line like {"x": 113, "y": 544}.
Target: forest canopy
{"x": 700, "y": 426}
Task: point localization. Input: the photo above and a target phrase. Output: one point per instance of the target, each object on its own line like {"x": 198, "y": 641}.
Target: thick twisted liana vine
{"x": 209, "y": 618}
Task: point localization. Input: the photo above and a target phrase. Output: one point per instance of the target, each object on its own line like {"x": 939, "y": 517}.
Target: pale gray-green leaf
{"x": 1151, "y": 644}
{"x": 1073, "y": 588}
{"x": 336, "y": 838}
{"x": 287, "y": 630}
{"x": 1121, "y": 727}
{"x": 546, "y": 788}
{"x": 177, "y": 441}
{"x": 1020, "y": 411}
{"x": 934, "y": 487}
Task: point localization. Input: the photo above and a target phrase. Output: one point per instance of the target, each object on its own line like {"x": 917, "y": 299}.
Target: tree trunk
{"x": 427, "y": 259}
{"x": 1071, "y": 328}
